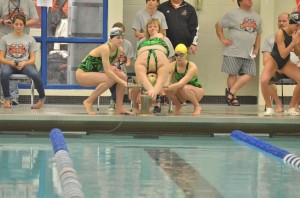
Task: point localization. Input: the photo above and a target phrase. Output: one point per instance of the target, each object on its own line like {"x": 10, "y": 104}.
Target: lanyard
{"x": 17, "y": 9}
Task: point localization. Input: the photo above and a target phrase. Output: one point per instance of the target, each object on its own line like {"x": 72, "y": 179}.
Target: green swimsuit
{"x": 194, "y": 81}
{"x": 94, "y": 64}
{"x": 150, "y": 42}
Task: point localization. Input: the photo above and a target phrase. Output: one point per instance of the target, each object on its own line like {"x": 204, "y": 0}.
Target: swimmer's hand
{"x": 152, "y": 93}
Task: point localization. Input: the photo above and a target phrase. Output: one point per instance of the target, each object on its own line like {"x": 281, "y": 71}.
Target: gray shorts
{"x": 238, "y": 66}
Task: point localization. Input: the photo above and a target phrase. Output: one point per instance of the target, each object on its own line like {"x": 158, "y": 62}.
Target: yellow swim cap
{"x": 181, "y": 48}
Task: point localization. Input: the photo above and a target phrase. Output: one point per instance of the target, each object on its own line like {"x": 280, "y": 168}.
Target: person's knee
{"x": 184, "y": 89}
{"x": 264, "y": 80}
{"x": 5, "y": 71}
{"x": 201, "y": 91}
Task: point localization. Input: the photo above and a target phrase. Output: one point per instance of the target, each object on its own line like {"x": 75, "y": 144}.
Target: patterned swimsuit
{"x": 94, "y": 64}
{"x": 150, "y": 42}
{"x": 194, "y": 81}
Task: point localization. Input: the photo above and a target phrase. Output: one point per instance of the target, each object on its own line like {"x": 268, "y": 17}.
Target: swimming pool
{"x": 169, "y": 167}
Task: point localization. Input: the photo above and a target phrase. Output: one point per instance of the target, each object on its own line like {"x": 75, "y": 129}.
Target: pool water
{"x": 168, "y": 167}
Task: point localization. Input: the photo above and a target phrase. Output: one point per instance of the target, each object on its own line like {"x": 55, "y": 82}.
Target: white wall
{"x": 209, "y": 56}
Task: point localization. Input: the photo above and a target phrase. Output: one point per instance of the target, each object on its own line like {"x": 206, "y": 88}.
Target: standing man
{"x": 8, "y": 9}
{"x": 241, "y": 47}
{"x": 182, "y": 23}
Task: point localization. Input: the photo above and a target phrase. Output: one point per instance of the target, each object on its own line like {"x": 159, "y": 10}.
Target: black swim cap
{"x": 294, "y": 18}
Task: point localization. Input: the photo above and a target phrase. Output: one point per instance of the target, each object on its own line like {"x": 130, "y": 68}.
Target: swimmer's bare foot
{"x": 124, "y": 112}
{"x": 279, "y": 108}
{"x": 136, "y": 110}
{"x": 177, "y": 109}
{"x": 197, "y": 110}
{"x": 39, "y": 104}
{"x": 89, "y": 108}
{"x": 6, "y": 103}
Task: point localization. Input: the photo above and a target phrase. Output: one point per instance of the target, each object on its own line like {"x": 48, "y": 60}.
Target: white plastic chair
{"x": 23, "y": 77}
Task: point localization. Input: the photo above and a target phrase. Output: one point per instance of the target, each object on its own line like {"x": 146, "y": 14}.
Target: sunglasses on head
{"x": 180, "y": 54}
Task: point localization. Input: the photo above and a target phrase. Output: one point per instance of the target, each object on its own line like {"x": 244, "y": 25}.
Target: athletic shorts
{"x": 238, "y": 66}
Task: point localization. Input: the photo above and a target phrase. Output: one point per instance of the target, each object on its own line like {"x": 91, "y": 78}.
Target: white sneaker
{"x": 293, "y": 112}
{"x": 14, "y": 101}
{"x": 112, "y": 105}
{"x": 269, "y": 112}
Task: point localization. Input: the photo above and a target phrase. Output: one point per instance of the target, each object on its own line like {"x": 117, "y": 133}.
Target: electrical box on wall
{"x": 82, "y": 24}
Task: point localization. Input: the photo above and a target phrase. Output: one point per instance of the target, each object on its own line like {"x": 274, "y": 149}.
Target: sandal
{"x": 235, "y": 102}
{"x": 231, "y": 101}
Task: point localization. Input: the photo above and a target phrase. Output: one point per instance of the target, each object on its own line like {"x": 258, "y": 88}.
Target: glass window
{"x": 62, "y": 64}
{"x": 69, "y": 19}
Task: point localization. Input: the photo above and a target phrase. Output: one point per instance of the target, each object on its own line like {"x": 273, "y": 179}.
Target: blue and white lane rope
{"x": 288, "y": 158}
{"x": 70, "y": 184}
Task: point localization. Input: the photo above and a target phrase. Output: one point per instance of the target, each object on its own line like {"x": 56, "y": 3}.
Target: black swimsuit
{"x": 281, "y": 62}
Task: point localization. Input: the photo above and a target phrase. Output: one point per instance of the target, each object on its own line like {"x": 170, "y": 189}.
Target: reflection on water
{"x": 186, "y": 177}
{"x": 23, "y": 173}
{"x": 122, "y": 167}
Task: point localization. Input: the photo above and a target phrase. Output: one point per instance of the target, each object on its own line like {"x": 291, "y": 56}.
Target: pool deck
{"x": 214, "y": 119}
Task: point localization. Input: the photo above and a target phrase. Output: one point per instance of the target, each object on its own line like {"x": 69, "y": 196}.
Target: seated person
{"x": 286, "y": 40}
{"x": 186, "y": 85}
{"x": 154, "y": 53}
{"x": 17, "y": 55}
{"x": 96, "y": 70}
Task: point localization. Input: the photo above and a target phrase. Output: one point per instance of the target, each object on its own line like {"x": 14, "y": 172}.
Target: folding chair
{"x": 284, "y": 80}
{"x": 23, "y": 77}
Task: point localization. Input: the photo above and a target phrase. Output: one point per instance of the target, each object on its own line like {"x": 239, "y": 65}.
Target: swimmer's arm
{"x": 107, "y": 67}
{"x": 283, "y": 51}
{"x": 297, "y": 50}
{"x": 169, "y": 80}
{"x": 297, "y": 46}
{"x": 192, "y": 71}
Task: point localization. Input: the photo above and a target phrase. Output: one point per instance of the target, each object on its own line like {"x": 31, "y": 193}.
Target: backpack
{"x": 55, "y": 16}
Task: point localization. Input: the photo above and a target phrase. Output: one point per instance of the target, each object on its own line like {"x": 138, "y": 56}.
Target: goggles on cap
{"x": 116, "y": 32}
{"x": 294, "y": 18}
{"x": 180, "y": 54}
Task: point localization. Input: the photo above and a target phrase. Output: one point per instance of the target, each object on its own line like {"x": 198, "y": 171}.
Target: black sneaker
{"x": 156, "y": 109}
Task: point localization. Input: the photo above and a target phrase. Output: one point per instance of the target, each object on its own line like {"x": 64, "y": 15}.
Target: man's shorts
{"x": 238, "y": 66}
